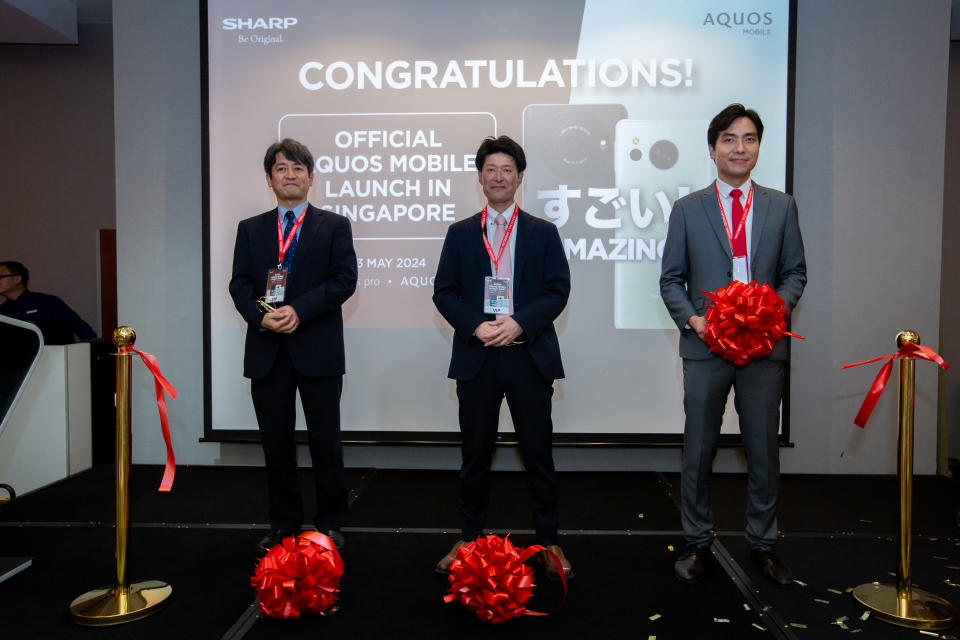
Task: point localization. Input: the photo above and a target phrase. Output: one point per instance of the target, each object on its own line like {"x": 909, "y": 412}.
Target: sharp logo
{"x": 233, "y": 24}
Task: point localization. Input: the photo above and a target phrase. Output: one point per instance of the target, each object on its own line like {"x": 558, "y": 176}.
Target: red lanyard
{"x": 743, "y": 220}
{"x": 284, "y": 245}
{"x": 506, "y": 235}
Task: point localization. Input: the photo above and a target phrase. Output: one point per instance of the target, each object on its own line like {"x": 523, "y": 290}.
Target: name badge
{"x": 276, "y": 286}
{"x": 740, "y": 269}
{"x": 496, "y": 295}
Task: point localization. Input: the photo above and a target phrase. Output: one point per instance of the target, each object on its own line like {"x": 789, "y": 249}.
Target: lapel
{"x": 523, "y": 232}
{"x": 267, "y": 236}
{"x": 761, "y": 209}
{"x": 708, "y": 199}
{"x": 312, "y": 222}
{"x": 479, "y": 249}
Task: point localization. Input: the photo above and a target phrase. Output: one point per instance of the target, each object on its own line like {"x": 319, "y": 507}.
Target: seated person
{"x": 58, "y": 322}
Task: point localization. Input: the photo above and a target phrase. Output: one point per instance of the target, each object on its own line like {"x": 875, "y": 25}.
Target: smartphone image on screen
{"x": 656, "y": 163}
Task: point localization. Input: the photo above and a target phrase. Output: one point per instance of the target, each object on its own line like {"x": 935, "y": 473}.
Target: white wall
{"x": 868, "y": 177}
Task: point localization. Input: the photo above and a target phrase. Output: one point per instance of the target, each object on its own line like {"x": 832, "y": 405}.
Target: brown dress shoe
{"x": 552, "y": 570}
{"x": 444, "y": 565}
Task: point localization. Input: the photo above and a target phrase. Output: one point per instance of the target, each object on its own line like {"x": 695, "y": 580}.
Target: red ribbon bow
{"x": 301, "y": 576}
{"x": 908, "y": 350}
{"x": 489, "y": 577}
{"x": 745, "y": 321}
{"x": 161, "y": 385}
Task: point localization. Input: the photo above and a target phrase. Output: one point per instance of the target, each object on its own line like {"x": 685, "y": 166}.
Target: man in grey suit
{"x": 732, "y": 230}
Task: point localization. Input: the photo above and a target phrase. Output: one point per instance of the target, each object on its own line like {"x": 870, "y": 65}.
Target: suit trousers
{"x": 758, "y": 389}
{"x": 511, "y": 372}
{"x": 274, "y": 400}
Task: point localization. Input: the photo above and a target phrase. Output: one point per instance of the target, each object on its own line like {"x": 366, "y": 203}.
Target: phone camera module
{"x": 664, "y": 154}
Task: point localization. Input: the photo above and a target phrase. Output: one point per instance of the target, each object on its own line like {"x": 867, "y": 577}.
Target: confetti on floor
{"x": 821, "y": 601}
{"x": 929, "y": 633}
{"x": 721, "y": 620}
{"x": 654, "y": 617}
{"x": 865, "y": 521}
{"x": 746, "y": 607}
{"x": 836, "y": 591}
{"x": 759, "y": 626}
{"x": 866, "y": 614}
{"x": 797, "y": 625}
{"x": 801, "y": 583}
{"x": 940, "y": 558}
{"x": 669, "y": 547}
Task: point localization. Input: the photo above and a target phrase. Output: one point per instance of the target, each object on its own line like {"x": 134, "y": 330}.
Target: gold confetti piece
{"x": 950, "y": 566}
{"x": 843, "y": 619}
{"x": 759, "y": 626}
{"x": 767, "y": 608}
{"x": 746, "y": 607}
{"x": 952, "y": 584}
{"x": 640, "y": 515}
{"x": 801, "y": 583}
{"x": 669, "y": 547}
{"x": 933, "y": 539}
{"x": 940, "y": 558}
{"x": 655, "y": 616}
{"x": 866, "y": 614}
{"x": 865, "y": 521}
{"x": 840, "y": 623}
{"x": 836, "y": 591}
{"x": 929, "y": 633}
{"x": 856, "y": 631}
{"x": 821, "y": 601}
{"x": 651, "y": 637}
{"x": 797, "y": 625}
{"x": 721, "y": 620}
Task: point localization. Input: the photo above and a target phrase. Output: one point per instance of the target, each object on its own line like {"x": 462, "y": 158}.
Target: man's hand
{"x": 283, "y": 320}
{"x": 698, "y": 324}
{"x": 499, "y": 333}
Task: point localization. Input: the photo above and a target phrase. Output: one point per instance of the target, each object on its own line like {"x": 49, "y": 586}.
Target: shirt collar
{"x": 492, "y": 213}
{"x": 725, "y": 188}
{"x": 297, "y": 210}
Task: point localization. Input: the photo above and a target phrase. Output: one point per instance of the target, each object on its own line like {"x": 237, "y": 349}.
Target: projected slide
{"x": 610, "y": 99}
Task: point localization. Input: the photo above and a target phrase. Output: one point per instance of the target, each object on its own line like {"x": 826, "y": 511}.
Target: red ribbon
{"x": 489, "y": 577}
{"x": 908, "y": 350}
{"x": 301, "y": 576}
{"x": 745, "y": 321}
{"x": 161, "y": 385}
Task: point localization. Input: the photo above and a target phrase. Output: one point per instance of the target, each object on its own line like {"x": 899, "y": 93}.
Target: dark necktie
{"x": 739, "y": 241}
{"x": 287, "y": 228}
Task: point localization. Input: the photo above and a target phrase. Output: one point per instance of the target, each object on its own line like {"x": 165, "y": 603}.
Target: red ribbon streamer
{"x": 489, "y": 577}
{"x": 298, "y": 576}
{"x": 745, "y": 321}
{"x": 161, "y": 385}
{"x": 908, "y": 350}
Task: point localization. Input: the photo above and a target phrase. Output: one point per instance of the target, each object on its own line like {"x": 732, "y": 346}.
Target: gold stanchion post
{"x": 901, "y": 604}
{"x": 123, "y": 602}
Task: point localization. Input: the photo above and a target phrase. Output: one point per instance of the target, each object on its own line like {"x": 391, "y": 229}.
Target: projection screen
{"x": 609, "y": 98}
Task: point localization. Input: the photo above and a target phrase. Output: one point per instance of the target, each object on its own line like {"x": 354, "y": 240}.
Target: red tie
{"x": 739, "y": 241}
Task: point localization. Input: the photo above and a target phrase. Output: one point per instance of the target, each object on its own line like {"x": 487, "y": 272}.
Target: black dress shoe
{"x": 338, "y": 540}
{"x": 771, "y": 568}
{"x": 273, "y": 538}
{"x": 689, "y": 567}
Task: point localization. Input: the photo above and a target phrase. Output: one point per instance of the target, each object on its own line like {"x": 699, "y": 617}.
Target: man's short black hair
{"x": 503, "y": 144}
{"x": 17, "y": 269}
{"x": 291, "y": 150}
{"x": 723, "y": 120}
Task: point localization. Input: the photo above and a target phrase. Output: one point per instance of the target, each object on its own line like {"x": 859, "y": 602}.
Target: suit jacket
{"x": 697, "y": 257}
{"x": 541, "y": 286}
{"x": 322, "y": 277}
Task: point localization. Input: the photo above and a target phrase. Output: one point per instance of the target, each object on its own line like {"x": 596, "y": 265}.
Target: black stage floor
{"x": 620, "y": 530}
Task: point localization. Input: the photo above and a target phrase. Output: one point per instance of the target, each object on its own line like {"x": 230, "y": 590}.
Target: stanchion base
{"x": 923, "y": 610}
{"x": 116, "y": 605}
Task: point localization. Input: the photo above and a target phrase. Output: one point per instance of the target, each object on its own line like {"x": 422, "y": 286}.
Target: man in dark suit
{"x": 501, "y": 282}
{"x": 732, "y": 230}
{"x": 306, "y": 255}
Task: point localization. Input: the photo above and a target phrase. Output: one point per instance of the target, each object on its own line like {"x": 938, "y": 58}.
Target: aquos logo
{"x": 737, "y": 19}
{"x": 232, "y": 24}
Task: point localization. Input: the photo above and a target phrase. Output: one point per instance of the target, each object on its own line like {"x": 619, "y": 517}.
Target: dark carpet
{"x": 621, "y": 534}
